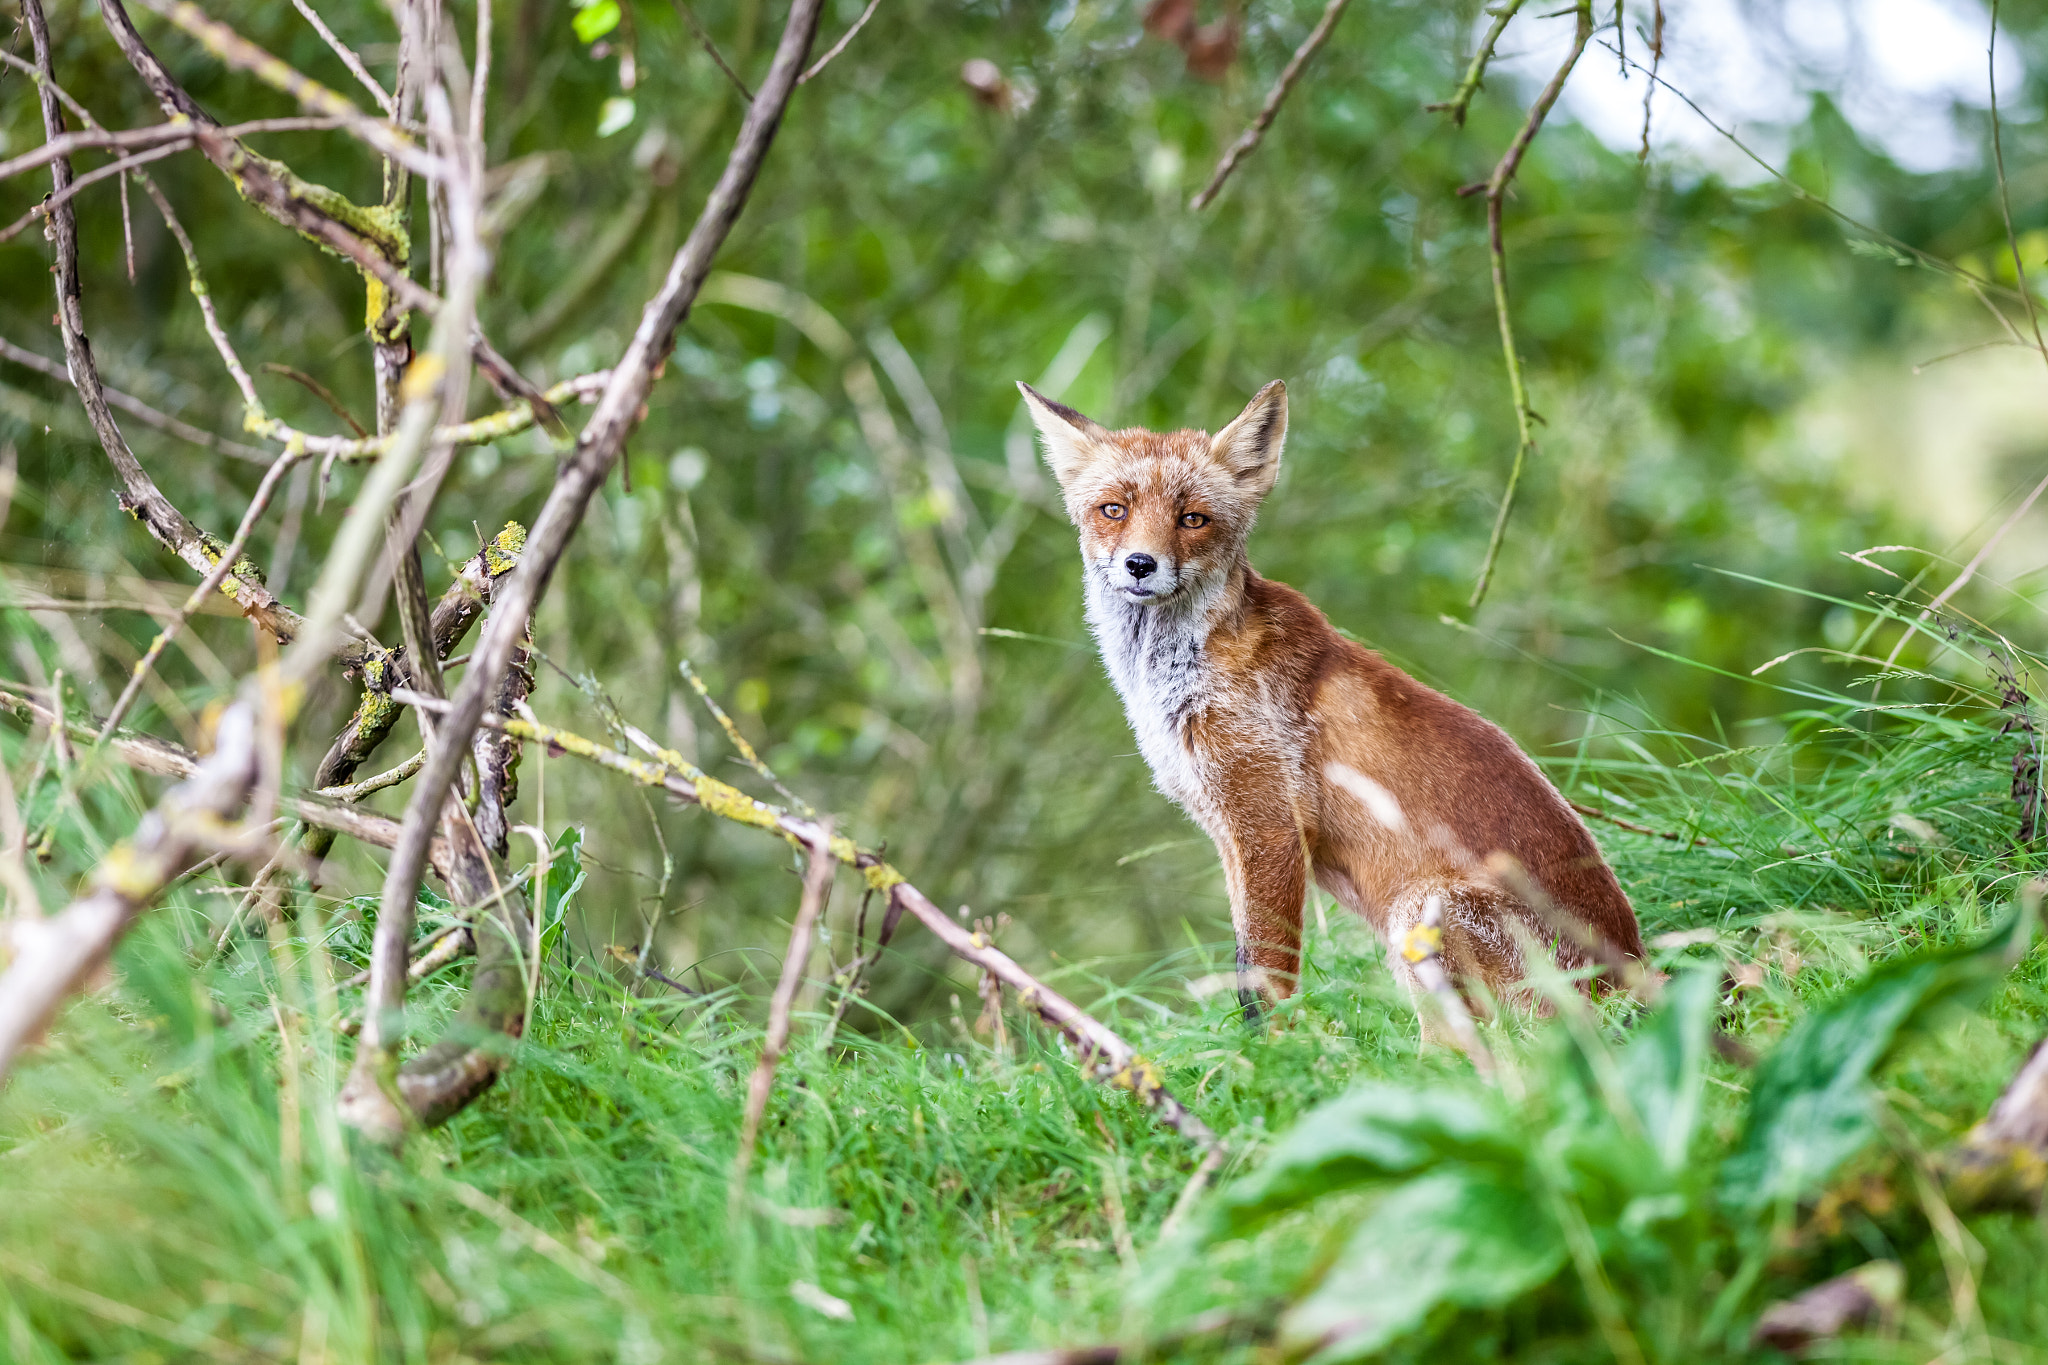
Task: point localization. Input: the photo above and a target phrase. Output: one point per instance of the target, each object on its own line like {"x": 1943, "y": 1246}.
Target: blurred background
{"x": 834, "y": 510}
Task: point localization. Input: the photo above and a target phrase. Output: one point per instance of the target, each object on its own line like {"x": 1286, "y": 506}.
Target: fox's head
{"x": 1161, "y": 513}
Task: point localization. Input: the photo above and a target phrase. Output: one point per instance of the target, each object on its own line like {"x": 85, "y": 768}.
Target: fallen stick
{"x": 1101, "y": 1053}
{"x": 147, "y": 753}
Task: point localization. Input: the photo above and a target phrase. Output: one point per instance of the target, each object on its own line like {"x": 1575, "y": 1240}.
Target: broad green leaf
{"x": 1810, "y": 1106}
{"x": 1374, "y": 1132}
{"x": 1460, "y": 1237}
{"x": 1663, "y": 1068}
{"x": 564, "y": 879}
{"x": 595, "y": 19}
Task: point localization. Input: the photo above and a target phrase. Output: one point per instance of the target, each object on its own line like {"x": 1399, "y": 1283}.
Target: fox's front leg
{"x": 1267, "y": 876}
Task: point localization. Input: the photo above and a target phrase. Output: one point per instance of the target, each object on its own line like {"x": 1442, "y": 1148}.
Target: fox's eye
{"x": 1113, "y": 510}
{"x": 1193, "y": 520}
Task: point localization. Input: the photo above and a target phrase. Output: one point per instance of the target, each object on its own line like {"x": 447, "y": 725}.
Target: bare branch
{"x": 839, "y": 46}
{"x": 229, "y": 561}
{"x": 1248, "y": 141}
{"x": 817, "y": 888}
{"x": 1475, "y": 73}
{"x": 237, "y": 51}
{"x": 142, "y": 497}
{"x": 136, "y": 408}
{"x": 356, "y": 791}
{"x": 585, "y": 470}
{"x": 72, "y": 191}
{"x": 1496, "y": 188}
{"x": 157, "y": 135}
{"x": 348, "y": 58}
{"x": 160, "y": 757}
{"x": 57, "y": 955}
{"x": 704, "y": 39}
{"x": 319, "y": 391}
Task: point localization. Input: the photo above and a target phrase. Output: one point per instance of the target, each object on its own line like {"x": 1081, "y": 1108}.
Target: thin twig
{"x": 2004, "y": 196}
{"x": 356, "y": 791}
{"x": 128, "y": 139}
{"x": 839, "y": 46}
{"x": 136, "y": 408}
{"x": 738, "y": 740}
{"x": 147, "y": 753}
{"x": 1248, "y": 141}
{"x": 1496, "y": 188}
{"x": 230, "y": 559}
{"x": 704, "y": 39}
{"x": 1920, "y": 256}
{"x": 348, "y": 59}
{"x": 319, "y": 391}
{"x": 50, "y": 203}
{"x": 1656, "y": 61}
{"x": 817, "y": 890}
{"x": 197, "y": 280}
{"x": 481, "y": 431}
{"x": 1475, "y": 72}
{"x": 236, "y": 51}
{"x": 1596, "y": 813}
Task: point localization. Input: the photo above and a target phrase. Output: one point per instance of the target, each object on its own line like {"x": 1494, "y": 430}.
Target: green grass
{"x": 173, "y": 1184}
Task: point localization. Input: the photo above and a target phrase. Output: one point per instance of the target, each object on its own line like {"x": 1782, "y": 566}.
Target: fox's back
{"x": 1464, "y": 789}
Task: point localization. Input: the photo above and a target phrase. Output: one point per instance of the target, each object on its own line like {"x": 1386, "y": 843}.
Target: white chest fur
{"x": 1155, "y": 657}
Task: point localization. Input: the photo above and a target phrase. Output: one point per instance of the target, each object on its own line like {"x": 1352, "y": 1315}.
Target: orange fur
{"x": 1294, "y": 748}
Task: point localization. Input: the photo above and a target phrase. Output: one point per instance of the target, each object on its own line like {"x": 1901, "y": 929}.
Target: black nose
{"x": 1140, "y": 566}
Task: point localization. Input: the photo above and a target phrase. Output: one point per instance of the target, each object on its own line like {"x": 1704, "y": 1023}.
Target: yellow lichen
{"x": 504, "y": 549}
{"x": 1421, "y": 941}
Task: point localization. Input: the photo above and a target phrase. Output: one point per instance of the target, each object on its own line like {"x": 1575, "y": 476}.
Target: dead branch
{"x": 1863, "y": 1297}
{"x": 1102, "y": 1054}
{"x": 1475, "y": 73}
{"x": 50, "y": 203}
{"x": 478, "y": 432}
{"x": 1248, "y": 141}
{"x": 228, "y": 560}
{"x": 136, "y": 408}
{"x": 840, "y": 46}
{"x": 817, "y": 889}
{"x": 161, "y": 758}
{"x": 348, "y": 57}
{"x": 356, "y": 791}
{"x": 1422, "y": 948}
{"x": 1496, "y": 189}
{"x": 2003, "y": 1161}
{"x": 1596, "y": 813}
{"x": 142, "y": 497}
{"x": 54, "y": 957}
{"x": 597, "y": 449}
{"x": 689, "y": 17}
{"x": 236, "y": 51}
{"x": 136, "y": 139}
{"x": 376, "y": 714}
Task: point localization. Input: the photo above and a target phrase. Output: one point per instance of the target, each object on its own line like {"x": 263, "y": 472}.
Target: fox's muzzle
{"x": 1140, "y": 576}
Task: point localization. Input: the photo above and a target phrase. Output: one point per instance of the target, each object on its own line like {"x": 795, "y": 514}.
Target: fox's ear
{"x": 1071, "y": 440}
{"x": 1250, "y": 446}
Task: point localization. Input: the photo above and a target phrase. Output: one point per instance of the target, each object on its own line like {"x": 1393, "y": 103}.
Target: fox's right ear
{"x": 1071, "y": 440}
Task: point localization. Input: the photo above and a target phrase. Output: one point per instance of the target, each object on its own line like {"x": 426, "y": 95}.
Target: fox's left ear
{"x": 1250, "y": 446}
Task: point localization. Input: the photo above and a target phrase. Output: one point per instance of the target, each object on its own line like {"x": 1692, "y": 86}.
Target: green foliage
{"x": 565, "y": 876}
{"x": 1810, "y": 1106}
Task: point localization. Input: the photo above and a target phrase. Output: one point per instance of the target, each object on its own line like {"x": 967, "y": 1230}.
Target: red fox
{"x": 1298, "y": 750}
